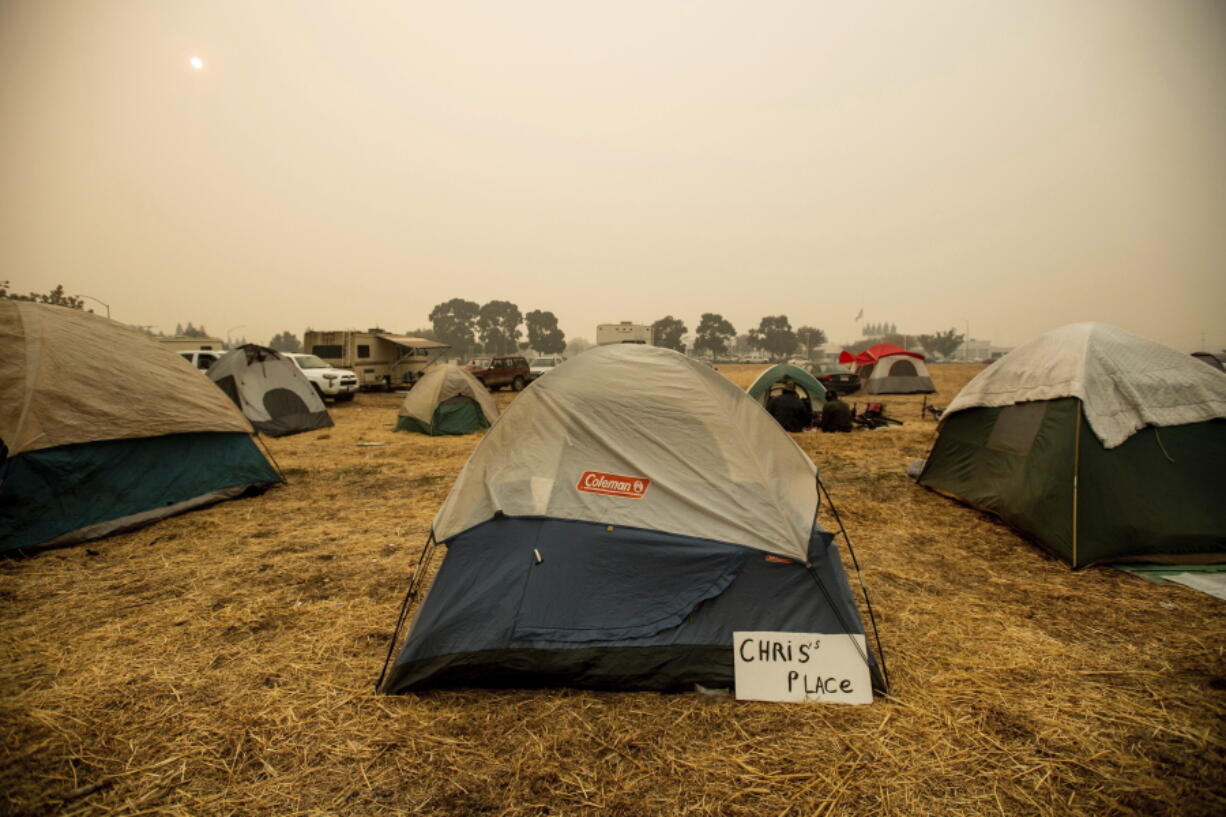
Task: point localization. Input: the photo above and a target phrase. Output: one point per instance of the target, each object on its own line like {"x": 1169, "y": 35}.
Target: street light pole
{"x": 92, "y": 298}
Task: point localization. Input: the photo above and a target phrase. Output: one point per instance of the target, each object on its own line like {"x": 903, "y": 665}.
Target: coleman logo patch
{"x": 595, "y": 482}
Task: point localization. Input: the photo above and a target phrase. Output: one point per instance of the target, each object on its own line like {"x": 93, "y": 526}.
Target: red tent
{"x": 874, "y": 353}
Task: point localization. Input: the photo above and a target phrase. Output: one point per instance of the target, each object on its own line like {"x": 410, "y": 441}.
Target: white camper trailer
{"x": 380, "y": 359}
{"x": 624, "y": 332}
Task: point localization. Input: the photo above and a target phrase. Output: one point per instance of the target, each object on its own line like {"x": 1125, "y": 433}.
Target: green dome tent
{"x": 447, "y": 399}
{"x": 102, "y": 430}
{"x": 760, "y": 390}
{"x": 1101, "y": 445}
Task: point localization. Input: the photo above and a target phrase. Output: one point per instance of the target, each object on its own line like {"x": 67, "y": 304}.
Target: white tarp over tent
{"x": 700, "y": 458}
{"x": 441, "y": 383}
{"x": 1124, "y": 381}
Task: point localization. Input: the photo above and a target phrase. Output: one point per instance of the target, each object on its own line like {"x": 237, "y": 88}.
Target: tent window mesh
{"x": 1016, "y": 427}
{"x": 903, "y": 368}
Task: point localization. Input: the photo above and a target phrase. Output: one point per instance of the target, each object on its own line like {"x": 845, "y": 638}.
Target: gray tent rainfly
{"x": 1099, "y": 444}
{"x": 625, "y": 515}
{"x": 270, "y": 390}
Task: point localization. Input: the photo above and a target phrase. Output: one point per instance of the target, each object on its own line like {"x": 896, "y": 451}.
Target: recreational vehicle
{"x": 380, "y": 359}
{"x": 624, "y": 332}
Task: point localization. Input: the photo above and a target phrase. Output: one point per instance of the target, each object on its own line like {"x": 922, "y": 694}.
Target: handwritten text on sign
{"x": 801, "y": 667}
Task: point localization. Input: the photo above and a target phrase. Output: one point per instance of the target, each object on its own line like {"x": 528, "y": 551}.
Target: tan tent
{"x": 102, "y": 429}
{"x": 447, "y": 400}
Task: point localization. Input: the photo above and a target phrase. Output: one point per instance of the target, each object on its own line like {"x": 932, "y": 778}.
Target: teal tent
{"x": 447, "y": 399}
{"x": 761, "y": 388}
{"x": 1099, "y": 445}
{"x": 102, "y": 430}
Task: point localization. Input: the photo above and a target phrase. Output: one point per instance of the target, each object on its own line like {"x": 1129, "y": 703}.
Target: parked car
{"x": 836, "y": 378}
{"x": 341, "y": 384}
{"x": 543, "y": 365}
{"x": 202, "y": 359}
{"x": 501, "y": 370}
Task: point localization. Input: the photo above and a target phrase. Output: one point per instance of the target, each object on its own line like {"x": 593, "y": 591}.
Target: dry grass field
{"x": 223, "y": 662}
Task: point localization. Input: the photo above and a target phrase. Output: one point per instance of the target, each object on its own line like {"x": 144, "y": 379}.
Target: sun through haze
{"x": 1000, "y": 167}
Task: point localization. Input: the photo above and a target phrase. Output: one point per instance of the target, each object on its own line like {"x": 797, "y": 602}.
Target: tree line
{"x": 494, "y": 328}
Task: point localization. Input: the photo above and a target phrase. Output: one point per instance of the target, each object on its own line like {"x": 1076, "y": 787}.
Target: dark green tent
{"x": 760, "y": 389}
{"x": 1078, "y": 473}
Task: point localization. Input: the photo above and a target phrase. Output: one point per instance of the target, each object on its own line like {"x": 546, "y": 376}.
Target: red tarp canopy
{"x": 874, "y": 353}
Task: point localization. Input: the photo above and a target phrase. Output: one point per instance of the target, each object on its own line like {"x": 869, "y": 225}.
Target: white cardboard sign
{"x": 774, "y": 666}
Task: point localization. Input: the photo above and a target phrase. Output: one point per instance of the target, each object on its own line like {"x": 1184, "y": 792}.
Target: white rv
{"x": 624, "y": 332}
{"x": 380, "y": 359}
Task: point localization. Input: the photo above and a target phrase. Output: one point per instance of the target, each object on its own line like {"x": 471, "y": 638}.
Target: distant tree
{"x": 668, "y": 332}
{"x": 190, "y": 331}
{"x": 577, "y": 346}
{"x": 810, "y": 337}
{"x": 774, "y": 335}
{"x": 948, "y": 342}
{"x": 498, "y": 324}
{"x": 55, "y": 297}
{"x": 425, "y": 332}
{"x": 928, "y": 343}
{"x": 544, "y": 336}
{"x": 742, "y": 344}
{"x": 455, "y": 324}
{"x": 713, "y": 335}
{"x": 285, "y": 342}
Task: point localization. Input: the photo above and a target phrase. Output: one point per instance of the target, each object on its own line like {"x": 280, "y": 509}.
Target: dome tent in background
{"x": 626, "y": 514}
{"x": 270, "y": 390}
{"x": 1099, "y": 444}
{"x": 760, "y": 389}
{"x": 887, "y": 368}
{"x": 102, "y": 430}
{"x": 447, "y": 399}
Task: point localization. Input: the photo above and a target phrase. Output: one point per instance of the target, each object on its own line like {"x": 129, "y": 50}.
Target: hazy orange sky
{"x": 1013, "y": 166}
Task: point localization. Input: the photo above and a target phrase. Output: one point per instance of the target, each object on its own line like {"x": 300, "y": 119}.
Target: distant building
{"x": 974, "y": 349}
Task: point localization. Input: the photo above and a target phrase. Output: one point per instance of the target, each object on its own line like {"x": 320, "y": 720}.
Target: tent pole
{"x": 415, "y": 580}
{"x": 885, "y": 674}
{"x": 1076, "y": 473}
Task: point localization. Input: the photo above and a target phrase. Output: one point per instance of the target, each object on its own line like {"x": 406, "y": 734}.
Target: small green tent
{"x": 1100, "y": 445}
{"x": 447, "y": 400}
{"x": 760, "y": 389}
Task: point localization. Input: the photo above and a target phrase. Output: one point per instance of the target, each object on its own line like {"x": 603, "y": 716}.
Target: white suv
{"x": 202, "y": 359}
{"x": 329, "y": 382}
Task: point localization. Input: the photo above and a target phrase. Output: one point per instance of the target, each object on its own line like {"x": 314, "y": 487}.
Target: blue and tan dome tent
{"x": 102, "y": 429}
{"x": 626, "y": 514}
{"x": 270, "y": 390}
{"x": 447, "y": 399}
{"x": 1098, "y": 444}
